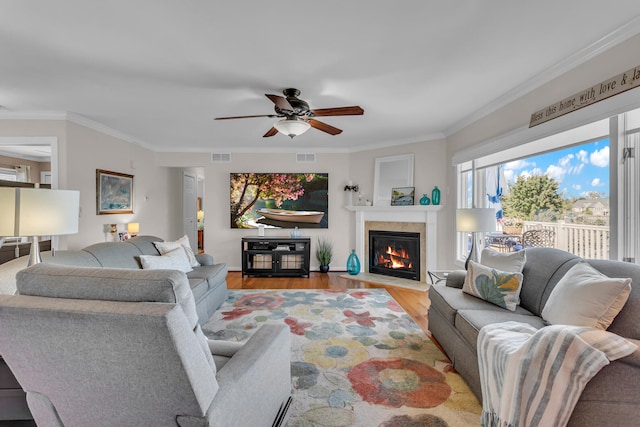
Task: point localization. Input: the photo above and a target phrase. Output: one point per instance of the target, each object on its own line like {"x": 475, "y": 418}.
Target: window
{"x": 592, "y": 185}
{"x": 8, "y": 174}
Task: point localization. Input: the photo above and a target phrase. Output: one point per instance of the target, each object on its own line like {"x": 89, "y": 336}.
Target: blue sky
{"x": 578, "y": 170}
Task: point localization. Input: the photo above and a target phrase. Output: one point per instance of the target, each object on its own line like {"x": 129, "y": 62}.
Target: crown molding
{"x": 619, "y": 35}
{"x": 77, "y": 119}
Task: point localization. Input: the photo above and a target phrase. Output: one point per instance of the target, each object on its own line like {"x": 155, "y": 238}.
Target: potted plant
{"x": 324, "y": 253}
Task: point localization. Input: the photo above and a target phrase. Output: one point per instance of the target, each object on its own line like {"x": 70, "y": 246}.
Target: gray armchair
{"x": 106, "y": 347}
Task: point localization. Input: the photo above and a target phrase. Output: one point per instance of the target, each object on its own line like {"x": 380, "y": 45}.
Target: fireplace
{"x": 394, "y": 253}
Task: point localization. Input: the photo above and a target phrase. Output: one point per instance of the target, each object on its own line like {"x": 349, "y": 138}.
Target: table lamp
{"x": 475, "y": 221}
{"x": 34, "y": 212}
{"x": 133, "y": 228}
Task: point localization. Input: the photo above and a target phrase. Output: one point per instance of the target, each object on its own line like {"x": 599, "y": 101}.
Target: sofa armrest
{"x": 204, "y": 259}
{"x": 455, "y": 279}
{"x": 256, "y": 380}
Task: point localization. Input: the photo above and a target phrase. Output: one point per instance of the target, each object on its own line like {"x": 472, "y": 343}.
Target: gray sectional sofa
{"x": 612, "y": 397}
{"x": 208, "y": 282}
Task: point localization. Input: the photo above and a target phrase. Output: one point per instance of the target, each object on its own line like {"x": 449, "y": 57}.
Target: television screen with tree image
{"x": 279, "y": 200}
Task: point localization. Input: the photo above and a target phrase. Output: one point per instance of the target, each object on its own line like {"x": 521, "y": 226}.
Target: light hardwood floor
{"x": 415, "y": 303}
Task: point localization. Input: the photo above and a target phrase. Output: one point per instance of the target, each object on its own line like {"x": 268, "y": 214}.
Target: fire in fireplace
{"x": 394, "y": 253}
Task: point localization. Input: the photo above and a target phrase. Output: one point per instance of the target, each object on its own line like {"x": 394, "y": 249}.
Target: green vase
{"x": 435, "y": 195}
{"x": 425, "y": 200}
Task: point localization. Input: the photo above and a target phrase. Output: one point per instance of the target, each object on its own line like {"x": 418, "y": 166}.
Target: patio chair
{"x": 541, "y": 238}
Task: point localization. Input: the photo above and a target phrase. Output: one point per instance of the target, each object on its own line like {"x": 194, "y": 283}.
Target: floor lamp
{"x": 475, "y": 221}
{"x": 34, "y": 212}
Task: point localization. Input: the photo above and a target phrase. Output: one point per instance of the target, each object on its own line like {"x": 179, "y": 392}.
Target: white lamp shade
{"x": 476, "y": 219}
{"x": 133, "y": 227}
{"x": 292, "y": 128}
{"x": 38, "y": 212}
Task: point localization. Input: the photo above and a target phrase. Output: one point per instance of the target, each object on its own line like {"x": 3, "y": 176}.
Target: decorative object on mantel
{"x": 435, "y": 195}
{"x": 353, "y": 263}
{"x": 349, "y": 189}
{"x": 475, "y": 221}
{"x": 31, "y": 212}
{"x": 324, "y": 254}
{"x": 402, "y": 196}
{"x": 425, "y": 200}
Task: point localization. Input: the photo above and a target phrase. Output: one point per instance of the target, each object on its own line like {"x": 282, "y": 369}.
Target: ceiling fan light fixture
{"x": 292, "y": 127}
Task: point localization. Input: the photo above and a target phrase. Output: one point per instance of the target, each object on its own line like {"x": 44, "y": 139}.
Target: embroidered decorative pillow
{"x": 498, "y": 287}
{"x": 511, "y": 261}
{"x": 164, "y": 247}
{"x": 586, "y": 297}
{"x": 172, "y": 260}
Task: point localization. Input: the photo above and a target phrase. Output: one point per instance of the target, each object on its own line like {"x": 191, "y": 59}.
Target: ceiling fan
{"x": 298, "y": 117}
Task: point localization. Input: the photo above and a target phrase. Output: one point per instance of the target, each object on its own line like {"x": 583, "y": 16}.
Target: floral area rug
{"x": 358, "y": 359}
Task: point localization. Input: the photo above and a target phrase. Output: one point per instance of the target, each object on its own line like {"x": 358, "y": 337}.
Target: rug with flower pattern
{"x": 358, "y": 359}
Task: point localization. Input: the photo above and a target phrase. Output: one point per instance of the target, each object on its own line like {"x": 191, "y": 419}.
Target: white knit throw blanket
{"x": 534, "y": 377}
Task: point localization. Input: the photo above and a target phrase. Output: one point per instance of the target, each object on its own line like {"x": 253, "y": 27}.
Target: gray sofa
{"x": 612, "y": 397}
{"x": 113, "y": 347}
{"x": 208, "y": 282}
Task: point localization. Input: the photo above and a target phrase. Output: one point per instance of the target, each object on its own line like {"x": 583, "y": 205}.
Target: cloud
{"x": 509, "y": 175}
{"x": 517, "y": 165}
{"x": 600, "y": 158}
{"x": 566, "y": 160}
{"x": 556, "y": 173}
{"x": 595, "y": 182}
{"x": 577, "y": 187}
{"x": 582, "y": 155}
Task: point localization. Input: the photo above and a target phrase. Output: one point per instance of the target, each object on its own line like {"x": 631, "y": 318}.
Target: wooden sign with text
{"x": 608, "y": 88}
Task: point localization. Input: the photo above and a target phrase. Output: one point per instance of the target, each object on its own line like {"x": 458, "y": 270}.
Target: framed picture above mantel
{"x": 114, "y": 193}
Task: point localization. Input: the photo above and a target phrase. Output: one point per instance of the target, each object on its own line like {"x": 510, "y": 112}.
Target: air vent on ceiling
{"x": 305, "y": 158}
{"x": 221, "y": 158}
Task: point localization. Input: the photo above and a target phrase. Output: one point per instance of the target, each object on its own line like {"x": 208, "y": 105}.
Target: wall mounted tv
{"x": 279, "y": 200}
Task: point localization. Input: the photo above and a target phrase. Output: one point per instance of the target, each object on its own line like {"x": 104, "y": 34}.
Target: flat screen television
{"x": 279, "y": 200}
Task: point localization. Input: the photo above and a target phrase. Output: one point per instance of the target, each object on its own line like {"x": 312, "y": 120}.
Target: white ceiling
{"x": 160, "y": 71}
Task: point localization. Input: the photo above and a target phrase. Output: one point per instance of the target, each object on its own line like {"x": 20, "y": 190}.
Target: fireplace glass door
{"x": 396, "y": 254}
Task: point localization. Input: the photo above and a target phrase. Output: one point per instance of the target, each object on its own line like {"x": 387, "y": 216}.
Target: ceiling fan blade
{"x": 270, "y": 132}
{"x": 324, "y": 127}
{"x": 354, "y": 110}
{"x": 280, "y": 102}
{"x": 245, "y": 117}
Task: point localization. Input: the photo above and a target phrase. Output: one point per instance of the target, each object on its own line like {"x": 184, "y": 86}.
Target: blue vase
{"x": 425, "y": 200}
{"x": 435, "y": 195}
{"x": 353, "y": 263}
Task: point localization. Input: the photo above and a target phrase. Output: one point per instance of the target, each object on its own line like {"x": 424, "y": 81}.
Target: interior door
{"x": 189, "y": 208}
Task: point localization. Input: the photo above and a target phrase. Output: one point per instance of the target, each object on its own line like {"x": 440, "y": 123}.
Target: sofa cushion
{"x": 199, "y": 287}
{"x": 449, "y": 300}
{"x": 586, "y": 297}
{"x": 145, "y": 244}
{"x": 115, "y": 254}
{"x": 498, "y": 287}
{"x": 183, "y": 242}
{"x": 469, "y": 322}
{"x": 544, "y": 268}
{"x": 213, "y": 274}
{"x": 512, "y": 261}
{"x": 172, "y": 260}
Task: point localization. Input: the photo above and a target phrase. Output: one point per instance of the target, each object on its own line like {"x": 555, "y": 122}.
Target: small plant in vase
{"x": 324, "y": 254}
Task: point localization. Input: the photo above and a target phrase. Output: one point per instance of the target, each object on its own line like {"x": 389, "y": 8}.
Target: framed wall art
{"x": 114, "y": 193}
{"x": 402, "y": 196}
{"x": 391, "y": 172}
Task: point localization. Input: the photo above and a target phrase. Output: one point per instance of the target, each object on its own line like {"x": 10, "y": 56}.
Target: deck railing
{"x": 586, "y": 241}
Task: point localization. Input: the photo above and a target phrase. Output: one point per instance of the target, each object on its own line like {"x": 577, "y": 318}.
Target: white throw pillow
{"x": 501, "y": 288}
{"x": 586, "y": 297}
{"x": 164, "y": 247}
{"x": 513, "y": 261}
{"x": 172, "y": 260}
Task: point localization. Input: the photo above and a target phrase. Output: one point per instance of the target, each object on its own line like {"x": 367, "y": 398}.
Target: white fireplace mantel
{"x": 427, "y": 214}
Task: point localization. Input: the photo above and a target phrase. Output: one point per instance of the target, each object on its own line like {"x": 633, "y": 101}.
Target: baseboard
{"x": 283, "y": 414}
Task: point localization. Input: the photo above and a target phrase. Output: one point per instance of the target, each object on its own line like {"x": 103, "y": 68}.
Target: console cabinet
{"x": 276, "y": 256}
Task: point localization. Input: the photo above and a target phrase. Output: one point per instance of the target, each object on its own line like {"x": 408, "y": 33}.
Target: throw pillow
{"x": 586, "y": 297}
{"x": 173, "y": 260}
{"x": 164, "y": 247}
{"x": 501, "y": 288}
{"x": 513, "y": 261}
